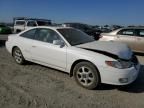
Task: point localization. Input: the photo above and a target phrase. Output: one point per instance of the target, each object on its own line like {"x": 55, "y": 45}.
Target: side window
{"x": 29, "y": 34}
{"x": 20, "y": 23}
{"x": 47, "y": 35}
{"x": 141, "y": 32}
{"x": 31, "y": 24}
{"x": 129, "y": 32}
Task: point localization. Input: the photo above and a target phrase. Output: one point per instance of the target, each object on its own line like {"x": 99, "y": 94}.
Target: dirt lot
{"x": 35, "y": 86}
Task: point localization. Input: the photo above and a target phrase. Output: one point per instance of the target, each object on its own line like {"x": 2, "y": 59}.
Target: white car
{"x": 22, "y": 23}
{"x": 70, "y": 50}
{"x": 132, "y": 36}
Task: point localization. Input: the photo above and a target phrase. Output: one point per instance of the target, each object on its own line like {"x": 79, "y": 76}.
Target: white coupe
{"x": 67, "y": 49}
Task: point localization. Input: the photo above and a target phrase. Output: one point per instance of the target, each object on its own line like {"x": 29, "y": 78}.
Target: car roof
{"x": 51, "y": 27}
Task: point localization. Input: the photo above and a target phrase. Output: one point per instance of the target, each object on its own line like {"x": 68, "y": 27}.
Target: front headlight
{"x": 119, "y": 64}
{"x": 0, "y": 29}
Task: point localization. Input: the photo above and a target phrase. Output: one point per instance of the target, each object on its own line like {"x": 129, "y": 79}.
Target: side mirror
{"x": 59, "y": 42}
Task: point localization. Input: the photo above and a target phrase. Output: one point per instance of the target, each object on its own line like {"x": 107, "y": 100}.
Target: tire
{"x": 18, "y": 56}
{"x": 86, "y": 75}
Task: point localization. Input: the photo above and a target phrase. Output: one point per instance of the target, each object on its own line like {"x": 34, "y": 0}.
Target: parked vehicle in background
{"x": 5, "y": 29}
{"x": 21, "y": 23}
{"x": 85, "y": 28}
{"x": 105, "y": 30}
{"x": 115, "y": 27}
{"x": 132, "y": 36}
{"x": 67, "y": 49}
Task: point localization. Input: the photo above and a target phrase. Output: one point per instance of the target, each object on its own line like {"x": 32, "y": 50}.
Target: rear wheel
{"x": 86, "y": 75}
{"x": 17, "y": 54}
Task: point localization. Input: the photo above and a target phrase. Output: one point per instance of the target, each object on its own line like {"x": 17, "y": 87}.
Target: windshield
{"x": 75, "y": 37}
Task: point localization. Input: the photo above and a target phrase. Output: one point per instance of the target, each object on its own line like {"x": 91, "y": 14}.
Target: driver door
{"x": 45, "y": 52}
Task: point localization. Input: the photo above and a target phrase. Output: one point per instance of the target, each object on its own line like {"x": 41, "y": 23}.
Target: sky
{"x": 95, "y": 12}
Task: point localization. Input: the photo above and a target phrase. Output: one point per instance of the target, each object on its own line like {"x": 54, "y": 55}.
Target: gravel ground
{"x": 35, "y": 86}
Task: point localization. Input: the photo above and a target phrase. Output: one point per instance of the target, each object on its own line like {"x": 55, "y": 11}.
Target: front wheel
{"x": 17, "y": 54}
{"x": 86, "y": 75}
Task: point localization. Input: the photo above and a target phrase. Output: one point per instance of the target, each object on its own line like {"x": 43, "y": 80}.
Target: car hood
{"x": 112, "y": 49}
